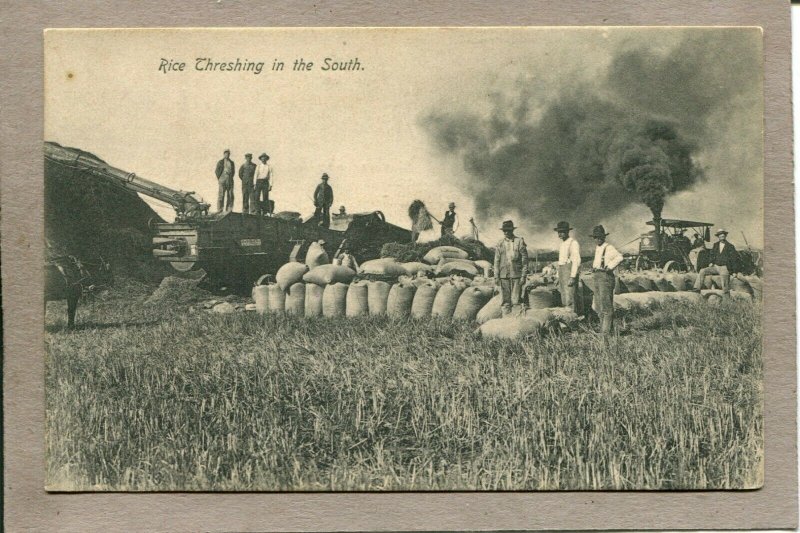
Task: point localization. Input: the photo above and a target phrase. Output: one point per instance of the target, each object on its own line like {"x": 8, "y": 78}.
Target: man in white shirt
{"x": 606, "y": 259}
{"x": 569, "y": 260}
{"x": 264, "y": 182}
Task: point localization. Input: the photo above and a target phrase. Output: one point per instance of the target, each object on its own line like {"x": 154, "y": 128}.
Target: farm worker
{"x": 606, "y": 259}
{"x": 569, "y": 260}
{"x": 698, "y": 245}
{"x": 450, "y": 220}
{"x": 346, "y": 258}
{"x": 247, "y": 173}
{"x": 510, "y": 266}
{"x": 323, "y": 200}
{"x": 225, "y": 171}
{"x": 265, "y": 178}
{"x": 724, "y": 262}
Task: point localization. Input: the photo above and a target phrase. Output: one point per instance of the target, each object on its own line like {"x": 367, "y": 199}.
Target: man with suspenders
{"x": 606, "y": 259}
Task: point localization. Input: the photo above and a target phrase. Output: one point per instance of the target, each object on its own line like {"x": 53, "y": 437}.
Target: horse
{"x": 69, "y": 278}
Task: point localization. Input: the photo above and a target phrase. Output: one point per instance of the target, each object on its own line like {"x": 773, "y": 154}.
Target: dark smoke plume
{"x": 585, "y": 151}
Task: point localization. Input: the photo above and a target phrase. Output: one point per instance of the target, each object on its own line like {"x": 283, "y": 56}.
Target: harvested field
{"x": 201, "y": 401}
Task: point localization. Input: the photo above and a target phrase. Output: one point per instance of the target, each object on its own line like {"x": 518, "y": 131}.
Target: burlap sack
{"x": 334, "y": 300}
{"x": 313, "y": 300}
{"x": 290, "y": 273}
{"x": 377, "y": 296}
{"x": 356, "y": 301}
{"x": 400, "y": 300}
{"x": 328, "y": 274}
{"x": 295, "y": 303}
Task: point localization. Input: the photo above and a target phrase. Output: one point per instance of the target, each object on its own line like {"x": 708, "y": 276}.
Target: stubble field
{"x": 143, "y": 398}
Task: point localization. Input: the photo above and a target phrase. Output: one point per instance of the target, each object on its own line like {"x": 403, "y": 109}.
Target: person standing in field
{"x": 225, "y": 171}
{"x": 569, "y": 260}
{"x": 724, "y": 262}
{"x": 247, "y": 173}
{"x": 323, "y": 200}
{"x": 510, "y": 267}
{"x": 606, "y": 259}
{"x": 264, "y": 181}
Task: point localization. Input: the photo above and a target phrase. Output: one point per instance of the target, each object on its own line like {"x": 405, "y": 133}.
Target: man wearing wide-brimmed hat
{"x": 323, "y": 200}
{"x": 264, "y": 180}
{"x": 569, "y": 260}
{"x": 510, "y": 266}
{"x": 724, "y": 262}
{"x": 606, "y": 259}
{"x": 450, "y": 220}
{"x": 225, "y": 170}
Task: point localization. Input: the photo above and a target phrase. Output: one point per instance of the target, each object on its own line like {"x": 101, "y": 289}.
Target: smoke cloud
{"x": 648, "y": 127}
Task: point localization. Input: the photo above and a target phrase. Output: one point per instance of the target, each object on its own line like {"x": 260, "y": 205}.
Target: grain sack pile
{"x": 485, "y": 266}
{"x": 541, "y": 298}
{"x": 646, "y": 300}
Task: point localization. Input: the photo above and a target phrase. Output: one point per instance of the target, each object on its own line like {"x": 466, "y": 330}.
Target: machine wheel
{"x": 671, "y": 266}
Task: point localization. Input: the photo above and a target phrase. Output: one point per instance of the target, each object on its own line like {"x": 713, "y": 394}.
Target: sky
{"x": 371, "y": 129}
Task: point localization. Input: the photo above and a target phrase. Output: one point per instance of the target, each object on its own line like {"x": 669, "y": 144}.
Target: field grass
{"x": 196, "y": 401}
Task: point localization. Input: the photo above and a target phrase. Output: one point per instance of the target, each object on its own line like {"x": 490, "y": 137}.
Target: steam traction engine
{"x": 667, "y": 247}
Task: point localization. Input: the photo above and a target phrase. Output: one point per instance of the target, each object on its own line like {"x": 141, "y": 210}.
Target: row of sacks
{"x": 390, "y": 267}
{"x": 325, "y": 274}
{"x": 419, "y": 299}
{"x": 634, "y": 282}
{"x": 647, "y": 300}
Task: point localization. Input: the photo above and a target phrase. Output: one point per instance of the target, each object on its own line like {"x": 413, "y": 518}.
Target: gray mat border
{"x": 28, "y": 506}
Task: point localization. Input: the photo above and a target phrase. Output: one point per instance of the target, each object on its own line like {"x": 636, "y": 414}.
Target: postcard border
{"x": 28, "y": 506}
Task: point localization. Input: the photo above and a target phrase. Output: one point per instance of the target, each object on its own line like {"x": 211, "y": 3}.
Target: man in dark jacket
{"x": 323, "y": 200}
{"x": 246, "y": 174}
{"x": 225, "y": 171}
{"x": 724, "y": 262}
{"x": 450, "y": 220}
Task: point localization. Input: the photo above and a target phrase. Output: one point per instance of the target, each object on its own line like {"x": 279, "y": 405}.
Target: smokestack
{"x": 657, "y": 225}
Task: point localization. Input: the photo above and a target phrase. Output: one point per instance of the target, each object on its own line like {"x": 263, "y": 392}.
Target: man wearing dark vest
{"x": 450, "y": 220}
{"x": 323, "y": 200}
{"x": 225, "y": 171}
{"x": 510, "y": 267}
{"x": 246, "y": 174}
{"x": 724, "y": 262}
